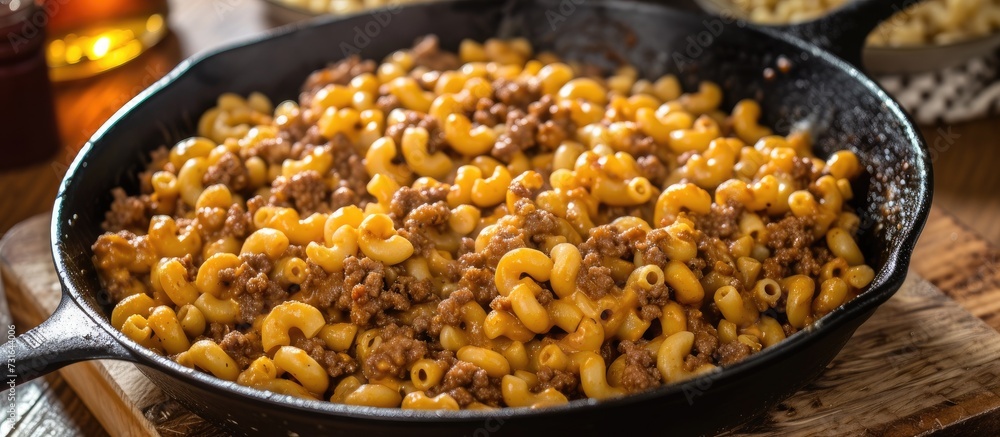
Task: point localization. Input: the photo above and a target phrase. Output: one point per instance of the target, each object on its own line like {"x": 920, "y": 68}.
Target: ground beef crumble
{"x": 640, "y": 367}
{"x": 395, "y": 354}
{"x": 518, "y": 137}
{"x": 340, "y": 73}
{"x": 243, "y": 348}
{"x": 449, "y": 310}
{"x": 706, "y": 340}
{"x": 251, "y": 287}
{"x": 228, "y": 171}
{"x": 595, "y": 279}
{"x": 722, "y": 222}
{"x": 791, "y": 243}
{"x": 435, "y": 139}
{"x": 489, "y": 113}
{"x": 605, "y": 241}
{"x": 732, "y": 352}
{"x": 427, "y": 54}
{"x": 324, "y": 290}
{"x": 238, "y": 222}
{"x": 564, "y": 381}
{"x": 349, "y": 168}
{"x": 127, "y": 212}
{"x": 307, "y": 192}
{"x": 364, "y": 278}
{"x": 468, "y": 383}
{"x": 421, "y": 222}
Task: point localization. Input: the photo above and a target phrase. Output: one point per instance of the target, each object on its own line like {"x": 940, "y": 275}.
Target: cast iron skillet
{"x": 826, "y": 93}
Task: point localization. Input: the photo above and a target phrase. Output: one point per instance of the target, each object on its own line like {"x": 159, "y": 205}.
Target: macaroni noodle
{"x": 492, "y": 229}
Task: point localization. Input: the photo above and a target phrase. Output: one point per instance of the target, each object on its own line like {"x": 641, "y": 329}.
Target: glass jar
{"x": 28, "y": 131}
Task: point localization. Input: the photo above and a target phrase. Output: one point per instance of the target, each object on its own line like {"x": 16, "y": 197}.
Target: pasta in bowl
{"x": 930, "y": 22}
{"x": 492, "y": 228}
{"x": 920, "y": 37}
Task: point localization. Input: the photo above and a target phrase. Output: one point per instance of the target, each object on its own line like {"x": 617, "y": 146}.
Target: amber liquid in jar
{"x": 88, "y": 37}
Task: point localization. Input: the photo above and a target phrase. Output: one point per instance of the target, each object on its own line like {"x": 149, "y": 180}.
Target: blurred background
{"x": 67, "y": 65}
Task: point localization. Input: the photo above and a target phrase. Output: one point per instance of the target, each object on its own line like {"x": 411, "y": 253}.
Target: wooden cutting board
{"x": 926, "y": 361}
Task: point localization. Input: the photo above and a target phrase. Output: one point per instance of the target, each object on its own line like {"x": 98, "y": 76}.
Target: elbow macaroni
{"x": 493, "y": 226}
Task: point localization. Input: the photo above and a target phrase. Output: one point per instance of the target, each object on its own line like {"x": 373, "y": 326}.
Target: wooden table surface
{"x": 966, "y": 180}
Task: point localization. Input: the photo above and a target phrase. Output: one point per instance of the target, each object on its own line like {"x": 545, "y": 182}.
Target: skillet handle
{"x": 843, "y": 32}
{"x": 68, "y": 336}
